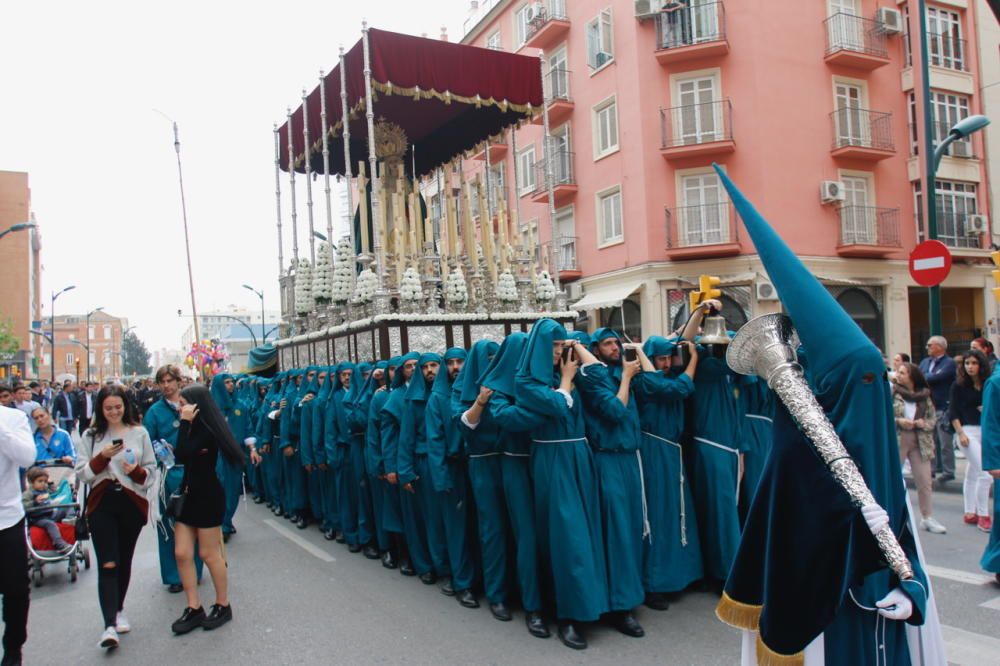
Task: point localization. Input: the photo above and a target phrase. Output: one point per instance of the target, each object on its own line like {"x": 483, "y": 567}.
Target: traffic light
{"x": 708, "y": 288}
{"x": 995, "y": 256}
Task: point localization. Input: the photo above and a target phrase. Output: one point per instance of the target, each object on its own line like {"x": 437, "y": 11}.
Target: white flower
{"x": 455, "y": 287}
{"x": 409, "y": 286}
{"x": 364, "y": 290}
{"x": 303, "y": 288}
{"x": 344, "y": 268}
{"x": 545, "y": 290}
{"x": 322, "y": 274}
{"x": 507, "y": 288}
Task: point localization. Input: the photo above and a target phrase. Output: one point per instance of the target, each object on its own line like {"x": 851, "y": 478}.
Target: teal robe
{"x": 991, "y": 460}
{"x": 759, "y": 402}
{"x": 230, "y": 475}
{"x": 373, "y": 453}
{"x": 292, "y": 474}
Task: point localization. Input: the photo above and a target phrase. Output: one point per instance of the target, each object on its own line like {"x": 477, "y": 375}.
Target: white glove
{"x": 250, "y": 441}
{"x": 875, "y": 516}
{"x": 896, "y": 605}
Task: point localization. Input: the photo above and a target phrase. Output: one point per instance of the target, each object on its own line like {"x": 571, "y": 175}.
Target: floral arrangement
{"x": 507, "y": 288}
{"x": 303, "y": 288}
{"x": 456, "y": 290}
{"x": 545, "y": 290}
{"x": 367, "y": 285}
{"x": 341, "y": 288}
{"x": 409, "y": 286}
{"x": 323, "y": 275}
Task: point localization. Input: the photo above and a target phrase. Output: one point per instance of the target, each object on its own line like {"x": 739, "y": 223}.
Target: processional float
{"x": 395, "y": 118}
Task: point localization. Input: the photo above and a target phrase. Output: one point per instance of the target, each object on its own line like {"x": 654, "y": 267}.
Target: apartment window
{"x": 557, "y": 84}
{"x": 91, "y": 333}
{"x": 498, "y": 184}
{"x": 107, "y": 331}
{"x": 853, "y": 128}
{"x": 944, "y": 38}
{"x": 609, "y": 216}
{"x": 948, "y": 109}
{"x": 526, "y": 171}
{"x": 698, "y": 116}
{"x": 529, "y": 238}
{"x": 46, "y": 358}
{"x": 72, "y": 336}
{"x": 704, "y": 216}
{"x": 493, "y": 42}
{"x": 694, "y": 24}
{"x": 69, "y": 358}
{"x": 605, "y": 128}
{"x": 522, "y": 23}
{"x": 858, "y": 214}
{"x": 560, "y": 150}
{"x": 107, "y": 357}
{"x": 600, "y": 44}
{"x": 565, "y": 245}
{"x": 955, "y": 202}
{"x": 92, "y": 358}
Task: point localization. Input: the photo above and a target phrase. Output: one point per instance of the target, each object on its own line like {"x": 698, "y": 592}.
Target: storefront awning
{"x": 610, "y": 296}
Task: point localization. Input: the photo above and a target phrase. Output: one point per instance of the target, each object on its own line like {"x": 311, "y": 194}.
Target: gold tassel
{"x": 768, "y": 657}
{"x": 738, "y": 614}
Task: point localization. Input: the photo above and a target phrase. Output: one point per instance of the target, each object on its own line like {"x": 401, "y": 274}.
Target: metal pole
{"x": 489, "y": 189}
{"x": 291, "y": 184}
{"x": 277, "y": 198}
{"x": 308, "y": 170}
{"x": 88, "y": 345}
{"x": 187, "y": 241}
{"x": 263, "y": 322}
{"x": 517, "y": 195}
{"x": 346, "y": 134}
{"x": 52, "y": 339}
{"x": 930, "y": 186}
{"x": 549, "y": 185}
{"x": 325, "y": 129}
{"x": 375, "y": 179}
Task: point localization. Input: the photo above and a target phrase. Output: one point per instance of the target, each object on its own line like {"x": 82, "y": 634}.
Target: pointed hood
{"x": 311, "y": 385}
{"x": 338, "y": 390}
{"x": 442, "y": 384}
{"x": 418, "y": 389}
{"x": 467, "y": 384}
{"x": 499, "y": 376}
{"x": 536, "y": 371}
{"x": 358, "y": 382}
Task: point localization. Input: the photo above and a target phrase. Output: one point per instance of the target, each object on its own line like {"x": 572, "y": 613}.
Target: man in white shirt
{"x": 23, "y": 402}
{"x": 17, "y": 450}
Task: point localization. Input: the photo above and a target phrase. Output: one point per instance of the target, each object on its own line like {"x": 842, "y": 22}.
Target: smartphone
{"x": 117, "y": 442}
{"x": 631, "y": 354}
{"x": 567, "y": 354}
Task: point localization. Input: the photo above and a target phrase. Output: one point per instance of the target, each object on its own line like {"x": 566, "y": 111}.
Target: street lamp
{"x": 52, "y": 330}
{"x": 320, "y": 236}
{"x": 961, "y": 130}
{"x": 263, "y": 324}
{"x": 18, "y": 227}
{"x": 95, "y": 310}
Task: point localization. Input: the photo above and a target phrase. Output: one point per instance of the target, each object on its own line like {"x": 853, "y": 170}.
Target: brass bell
{"x": 713, "y": 330}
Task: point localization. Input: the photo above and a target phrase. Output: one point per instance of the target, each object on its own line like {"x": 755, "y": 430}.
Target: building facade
{"x": 214, "y": 324}
{"x": 814, "y": 109}
{"x": 74, "y": 337}
{"x": 20, "y": 255}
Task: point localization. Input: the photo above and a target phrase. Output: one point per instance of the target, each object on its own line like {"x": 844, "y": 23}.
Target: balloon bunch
{"x": 210, "y": 356}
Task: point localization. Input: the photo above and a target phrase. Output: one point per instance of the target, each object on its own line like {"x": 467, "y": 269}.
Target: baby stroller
{"x": 41, "y": 550}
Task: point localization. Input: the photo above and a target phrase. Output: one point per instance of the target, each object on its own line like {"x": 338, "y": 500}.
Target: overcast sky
{"x": 80, "y": 82}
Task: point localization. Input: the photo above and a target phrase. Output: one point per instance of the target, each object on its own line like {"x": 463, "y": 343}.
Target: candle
{"x": 363, "y": 207}
{"x": 469, "y": 230}
{"x": 452, "y": 213}
{"x": 503, "y": 238}
{"x": 486, "y": 229}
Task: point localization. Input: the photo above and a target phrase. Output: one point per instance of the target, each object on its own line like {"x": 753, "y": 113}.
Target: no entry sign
{"x": 930, "y": 263}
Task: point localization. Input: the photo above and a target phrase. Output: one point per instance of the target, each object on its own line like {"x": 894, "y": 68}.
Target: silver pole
{"x": 291, "y": 185}
{"x": 277, "y": 198}
{"x": 549, "y": 184}
{"x": 308, "y": 168}
{"x": 326, "y": 156}
{"x": 517, "y": 196}
{"x": 348, "y": 167}
{"x": 489, "y": 191}
{"x": 375, "y": 179}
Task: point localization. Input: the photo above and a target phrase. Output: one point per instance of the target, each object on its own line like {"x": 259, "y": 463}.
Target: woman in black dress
{"x": 203, "y": 435}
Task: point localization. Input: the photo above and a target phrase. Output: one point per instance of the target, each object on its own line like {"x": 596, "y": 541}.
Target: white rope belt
{"x": 517, "y": 455}
{"x": 559, "y": 441}
{"x": 761, "y": 417}
{"x": 483, "y": 455}
{"x": 680, "y": 459}
{"x": 735, "y": 452}
{"x": 646, "y": 532}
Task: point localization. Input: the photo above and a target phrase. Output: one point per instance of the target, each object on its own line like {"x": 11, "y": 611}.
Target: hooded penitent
{"x": 808, "y": 563}
{"x": 991, "y": 460}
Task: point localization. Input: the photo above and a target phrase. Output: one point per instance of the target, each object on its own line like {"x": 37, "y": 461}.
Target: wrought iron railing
{"x": 692, "y": 124}
{"x": 962, "y": 148}
{"x": 846, "y": 32}
{"x": 954, "y": 229}
{"x": 707, "y": 224}
{"x": 869, "y": 225}
{"x": 556, "y": 84}
{"x": 860, "y": 127}
{"x": 562, "y": 170}
{"x": 564, "y": 253}
{"x": 948, "y": 51}
{"x": 704, "y": 22}
{"x": 546, "y": 10}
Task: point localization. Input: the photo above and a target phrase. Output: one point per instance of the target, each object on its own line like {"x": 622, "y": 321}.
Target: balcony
{"x": 852, "y": 41}
{"x": 548, "y": 25}
{"x": 696, "y": 130}
{"x": 868, "y": 231}
{"x": 497, "y": 152}
{"x": 691, "y": 33}
{"x": 563, "y": 182}
{"x": 955, "y": 231}
{"x": 862, "y": 134}
{"x": 564, "y": 256}
{"x": 698, "y": 232}
{"x": 556, "y": 87}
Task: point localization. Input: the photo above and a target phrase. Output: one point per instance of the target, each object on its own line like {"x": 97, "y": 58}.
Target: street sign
{"x": 930, "y": 263}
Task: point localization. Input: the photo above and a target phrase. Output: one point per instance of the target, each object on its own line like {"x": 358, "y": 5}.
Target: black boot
{"x": 428, "y": 578}
{"x": 371, "y": 552}
{"x": 570, "y": 637}
{"x": 500, "y": 612}
{"x": 467, "y": 598}
{"x": 536, "y": 625}
{"x": 388, "y": 561}
{"x": 446, "y": 588}
{"x": 406, "y": 568}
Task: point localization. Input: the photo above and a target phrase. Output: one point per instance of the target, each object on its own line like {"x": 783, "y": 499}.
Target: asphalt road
{"x": 300, "y": 599}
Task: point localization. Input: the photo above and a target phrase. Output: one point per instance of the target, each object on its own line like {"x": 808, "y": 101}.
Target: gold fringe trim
{"x": 738, "y": 614}
{"x": 768, "y": 657}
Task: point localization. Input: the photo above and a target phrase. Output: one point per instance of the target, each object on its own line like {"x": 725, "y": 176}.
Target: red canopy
{"x": 447, "y": 98}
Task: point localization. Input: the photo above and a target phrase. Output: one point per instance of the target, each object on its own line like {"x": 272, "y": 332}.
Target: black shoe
{"x": 388, "y": 561}
{"x": 190, "y": 619}
{"x": 428, "y": 578}
{"x": 302, "y": 523}
{"x": 341, "y": 538}
{"x": 226, "y": 536}
{"x": 354, "y": 548}
{"x": 500, "y": 612}
{"x": 371, "y": 552}
{"x": 175, "y": 588}
{"x": 466, "y": 598}
{"x": 406, "y": 568}
{"x": 570, "y": 637}
{"x": 657, "y": 601}
{"x": 258, "y": 500}
{"x": 446, "y": 588}
{"x": 11, "y": 659}
{"x": 536, "y": 624}
{"x": 217, "y": 617}
{"x": 330, "y": 535}
{"x": 626, "y": 623}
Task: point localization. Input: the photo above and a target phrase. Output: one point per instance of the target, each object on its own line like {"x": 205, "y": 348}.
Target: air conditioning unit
{"x": 574, "y": 291}
{"x": 961, "y": 149}
{"x": 647, "y": 9}
{"x": 766, "y": 291}
{"x": 832, "y": 191}
{"x": 890, "y": 20}
{"x": 976, "y": 224}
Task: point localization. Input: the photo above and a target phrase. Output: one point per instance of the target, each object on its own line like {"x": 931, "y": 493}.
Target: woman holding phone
{"x": 204, "y": 434}
{"x": 117, "y": 462}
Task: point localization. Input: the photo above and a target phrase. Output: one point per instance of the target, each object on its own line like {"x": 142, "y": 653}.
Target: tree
{"x": 9, "y": 344}
{"x": 136, "y": 359}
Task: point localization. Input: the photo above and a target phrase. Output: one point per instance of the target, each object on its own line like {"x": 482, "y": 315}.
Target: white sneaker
{"x": 109, "y": 639}
{"x": 122, "y": 625}
{"x": 933, "y": 526}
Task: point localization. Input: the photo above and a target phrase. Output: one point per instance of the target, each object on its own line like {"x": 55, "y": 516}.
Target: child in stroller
{"x": 38, "y": 501}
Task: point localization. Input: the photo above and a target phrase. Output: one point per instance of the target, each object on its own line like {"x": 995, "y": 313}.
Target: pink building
{"x": 809, "y": 106}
